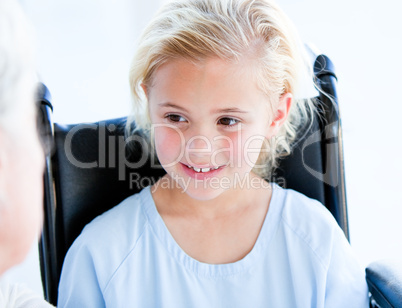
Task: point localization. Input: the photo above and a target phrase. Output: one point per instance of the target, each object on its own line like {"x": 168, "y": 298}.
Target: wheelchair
{"x": 91, "y": 169}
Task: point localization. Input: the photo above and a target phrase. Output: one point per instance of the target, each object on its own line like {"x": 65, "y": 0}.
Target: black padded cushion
{"x": 384, "y": 279}
{"x": 292, "y": 172}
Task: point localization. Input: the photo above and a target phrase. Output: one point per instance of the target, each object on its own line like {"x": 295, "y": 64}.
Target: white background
{"x": 85, "y": 48}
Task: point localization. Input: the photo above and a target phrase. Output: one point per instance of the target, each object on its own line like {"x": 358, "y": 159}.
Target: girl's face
{"x": 209, "y": 121}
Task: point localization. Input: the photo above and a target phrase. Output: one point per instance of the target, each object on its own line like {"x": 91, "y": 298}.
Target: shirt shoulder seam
{"x": 307, "y": 243}
{"x": 125, "y": 257}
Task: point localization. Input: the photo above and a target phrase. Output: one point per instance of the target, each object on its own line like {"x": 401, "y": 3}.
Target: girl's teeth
{"x": 202, "y": 169}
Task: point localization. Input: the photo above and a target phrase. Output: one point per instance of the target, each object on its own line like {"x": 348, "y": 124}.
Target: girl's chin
{"x": 199, "y": 190}
{"x": 202, "y": 194}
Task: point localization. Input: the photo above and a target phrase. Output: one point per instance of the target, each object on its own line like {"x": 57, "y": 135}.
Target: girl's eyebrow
{"x": 225, "y": 110}
{"x": 230, "y": 110}
{"x": 168, "y": 104}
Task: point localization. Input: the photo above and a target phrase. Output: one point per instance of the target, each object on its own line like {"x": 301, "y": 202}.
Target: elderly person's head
{"x": 21, "y": 155}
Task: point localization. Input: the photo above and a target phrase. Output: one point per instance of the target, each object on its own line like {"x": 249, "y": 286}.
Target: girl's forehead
{"x": 212, "y": 84}
{"x": 209, "y": 71}
{"x": 209, "y": 64}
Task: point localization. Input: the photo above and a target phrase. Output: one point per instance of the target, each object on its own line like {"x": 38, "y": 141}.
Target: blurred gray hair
{"x": 17, "y": 70}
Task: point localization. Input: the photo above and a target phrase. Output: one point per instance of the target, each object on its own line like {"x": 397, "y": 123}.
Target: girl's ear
{"x": 145, "y": 89}
{"x": 282, "y": 112}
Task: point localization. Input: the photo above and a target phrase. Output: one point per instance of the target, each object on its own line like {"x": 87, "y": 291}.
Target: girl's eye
{"x": 228, "y": 121}
{"x": 175, "y": 118}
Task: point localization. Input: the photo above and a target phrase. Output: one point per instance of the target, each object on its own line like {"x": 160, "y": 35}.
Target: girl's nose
{"x": 200, "y": 140}
{"x": 206, "y": 146}
{"x": 199, "y": 145}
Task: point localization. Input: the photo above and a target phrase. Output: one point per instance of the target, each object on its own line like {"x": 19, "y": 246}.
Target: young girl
{"x": 218, "y": 80}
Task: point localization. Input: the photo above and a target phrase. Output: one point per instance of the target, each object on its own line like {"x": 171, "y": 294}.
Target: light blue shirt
{"x": 127, "y": 258}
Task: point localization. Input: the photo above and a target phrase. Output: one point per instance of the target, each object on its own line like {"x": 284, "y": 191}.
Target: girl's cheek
{"x": 169, "y": 145}
{"x": 239, "y": 149}
{"x": 247, "y": 150}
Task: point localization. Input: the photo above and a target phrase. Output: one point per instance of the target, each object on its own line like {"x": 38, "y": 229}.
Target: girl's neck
{"x": 216, "y": 231}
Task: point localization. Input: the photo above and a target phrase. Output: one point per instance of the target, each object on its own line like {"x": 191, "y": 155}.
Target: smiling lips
{"x": 201, "y": 170}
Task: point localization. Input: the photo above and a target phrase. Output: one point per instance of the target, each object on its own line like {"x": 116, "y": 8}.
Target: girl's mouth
{"x": 202, "y": 170}
{"x": 201, "y": 173}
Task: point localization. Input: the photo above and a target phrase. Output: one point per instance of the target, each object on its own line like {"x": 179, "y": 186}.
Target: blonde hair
{"x": 231, "y": 30}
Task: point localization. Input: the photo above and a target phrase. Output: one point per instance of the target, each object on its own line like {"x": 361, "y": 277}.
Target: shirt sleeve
{"x": 79, "y": 284}
{"x": 346, "y": 284}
